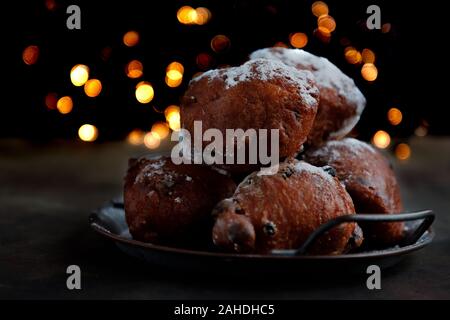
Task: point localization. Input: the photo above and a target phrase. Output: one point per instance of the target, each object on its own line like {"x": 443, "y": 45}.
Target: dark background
{"x": 406, "y": 56}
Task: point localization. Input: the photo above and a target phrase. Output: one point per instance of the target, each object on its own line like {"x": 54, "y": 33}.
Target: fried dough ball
{"x": 171, "y": 204}
{"x": 260, "y": 94}
{"x": 341, "y": 102}
{"x": 280, "y": 211}
{"x": 369, "y": 180}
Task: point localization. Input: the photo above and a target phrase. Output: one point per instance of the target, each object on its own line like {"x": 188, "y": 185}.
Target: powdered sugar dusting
{"x": 304, "y": 166}
{"x": 326, "y": 74}
{"x": 334, "y": 148}
{"x": 266, "y": 70}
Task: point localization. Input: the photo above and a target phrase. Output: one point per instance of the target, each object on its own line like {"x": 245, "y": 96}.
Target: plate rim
{"x": 424, "y": 241}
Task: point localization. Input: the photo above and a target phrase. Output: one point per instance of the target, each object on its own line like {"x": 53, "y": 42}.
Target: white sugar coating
{"x": 333, "y": 149}
{"x": 266, "y": 70}
{"x": 326, "y": 74}
{"x": 306, "y": 167}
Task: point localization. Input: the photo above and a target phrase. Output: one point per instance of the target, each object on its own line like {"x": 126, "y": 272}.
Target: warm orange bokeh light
{"x": 161, "y": 129}
{"x": 280, "y": 44}
{"x": 187, "y": 15}
{"x": 79, "y": 74}
{"x": 173, "y": 83}
{"x": 352, "y": 55}
{"x": 381, "y": 139}
{"x": 144, "y": 92}
{"x": 220, "y": 43}
{"x": 151, "y": 140}
{"x": 172, "y": 114}
{"x": 30, "y": 55}
{"x": 203, "y": 15}
{"x": 327, "y": 22}
{"x": 394, "y": 116}
{"x": 134, "y": 69}
{"x": 136, "y": 137}
{"x": 386, "y": 27}
{"x": 298, "y": 40}
{"x": 368, "y": 56}
{"x": 88, "y": 132}
{"x": 65, "y": 105}
{"x": 319, "y": 8}
{"x": 323, "y": 34}
{"x": 92, "y": 88}
{"x": 131, "y": 38}
{"x": 175, "y": 66}
{"x": 369, "y": 72}
{"x": 402, "y": 151}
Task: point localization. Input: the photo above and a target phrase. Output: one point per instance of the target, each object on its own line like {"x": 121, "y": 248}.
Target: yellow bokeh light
{"x": 93, "y": 87}
{"x": 79, "y": 75}
{"x": 352, "y": 55}
{"x": 151, "y": 140}
{"x": 381, "y": 139}
{"x": 175, "y": 66}
{"x": 136, "y": 137}
{"x": 368, "y": 56}
{"x": 319, "y": 8}
{"x": 220, "y": 43}
{"x": 173, "y": 83}
{"x": 65, "y": 105}
{"x": 134, "y": 69}
{"x": 394, "y": 116}
{"x": 131, "y": 38}
{"x": 172, "y": 114}
{"x": 174, "y": 75}
{"x": 327, "y": 22}
{"x": 298, "y": 40}
{"x": 187, "y": 15}
{"x": 161, "y": 129}
{"x": 402, "y": 151}
{"x": 144, "y": 92}
{"x": 369, "y": 72}
{"x": 30, "y": 55}
{"x": 323, "y": 34}
{"x": 203, "y": 15}
{"x": 88, "y": 132}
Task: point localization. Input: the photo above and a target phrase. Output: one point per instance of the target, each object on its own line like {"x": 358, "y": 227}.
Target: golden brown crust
{"x": 280, "y": 211}
{"x": 171, "y": 204}
{"x": 260, "y": 94}
{"x": 369, "y": 180}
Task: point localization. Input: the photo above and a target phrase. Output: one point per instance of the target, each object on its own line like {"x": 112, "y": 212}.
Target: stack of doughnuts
{"x": 321, "y": 174}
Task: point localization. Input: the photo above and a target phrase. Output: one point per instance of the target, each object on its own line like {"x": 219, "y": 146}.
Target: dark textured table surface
{"x": 48, "y": 191}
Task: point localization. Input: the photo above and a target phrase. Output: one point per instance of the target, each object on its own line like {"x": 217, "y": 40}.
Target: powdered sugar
{"x": 304, "y": 166}
{"x": 326, "y": 74}
{"x": 266, "y": 70}
{"x": 333, "y": 149}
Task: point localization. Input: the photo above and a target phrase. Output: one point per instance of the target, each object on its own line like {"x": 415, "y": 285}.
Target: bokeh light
{"x": 394, "y": 116}
{"x": 175, "y": 66}
{"x": 136, "y": 137}
{"x": 172, "y": 114}
{"x": 280, "y": 44}
{"x": 298, "y": 40}
{"x": 381, "y": 139}
{"x": 187, "y": 15}
{"x": 131, "y": 38}
{"x": 327, "y": 22}
{"x": 79, "y": 75}
{"x": 369, "y": 72}
{"x": 30, "y": 55}
{"x": 92, "y": 88}
{"x": 402, "y": 151}
{"x": 204, "y": 61}
{"x": 319, "y": 8}
{"x": 203, "y": 15}
{"x": 174, "y": 74}
{"x": 352, "y": 55}
{"x": 51, "y": 100}
{"x": 161, "y": 129}
{"x": 88, "y": 132}
{"x": 421, "y": 131}
{"x": 64, "y": 105}
{"x": 220, "y": 43}
{"x": 151, "y": 140}
{"x": 144, "y": 92}
{"x": 386, "y": 27}
{"x": 368, "y": 56}
{"x": 323, "y": 34}
{"x": 50, "y": 5}
{"x": 134, "y": 69}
